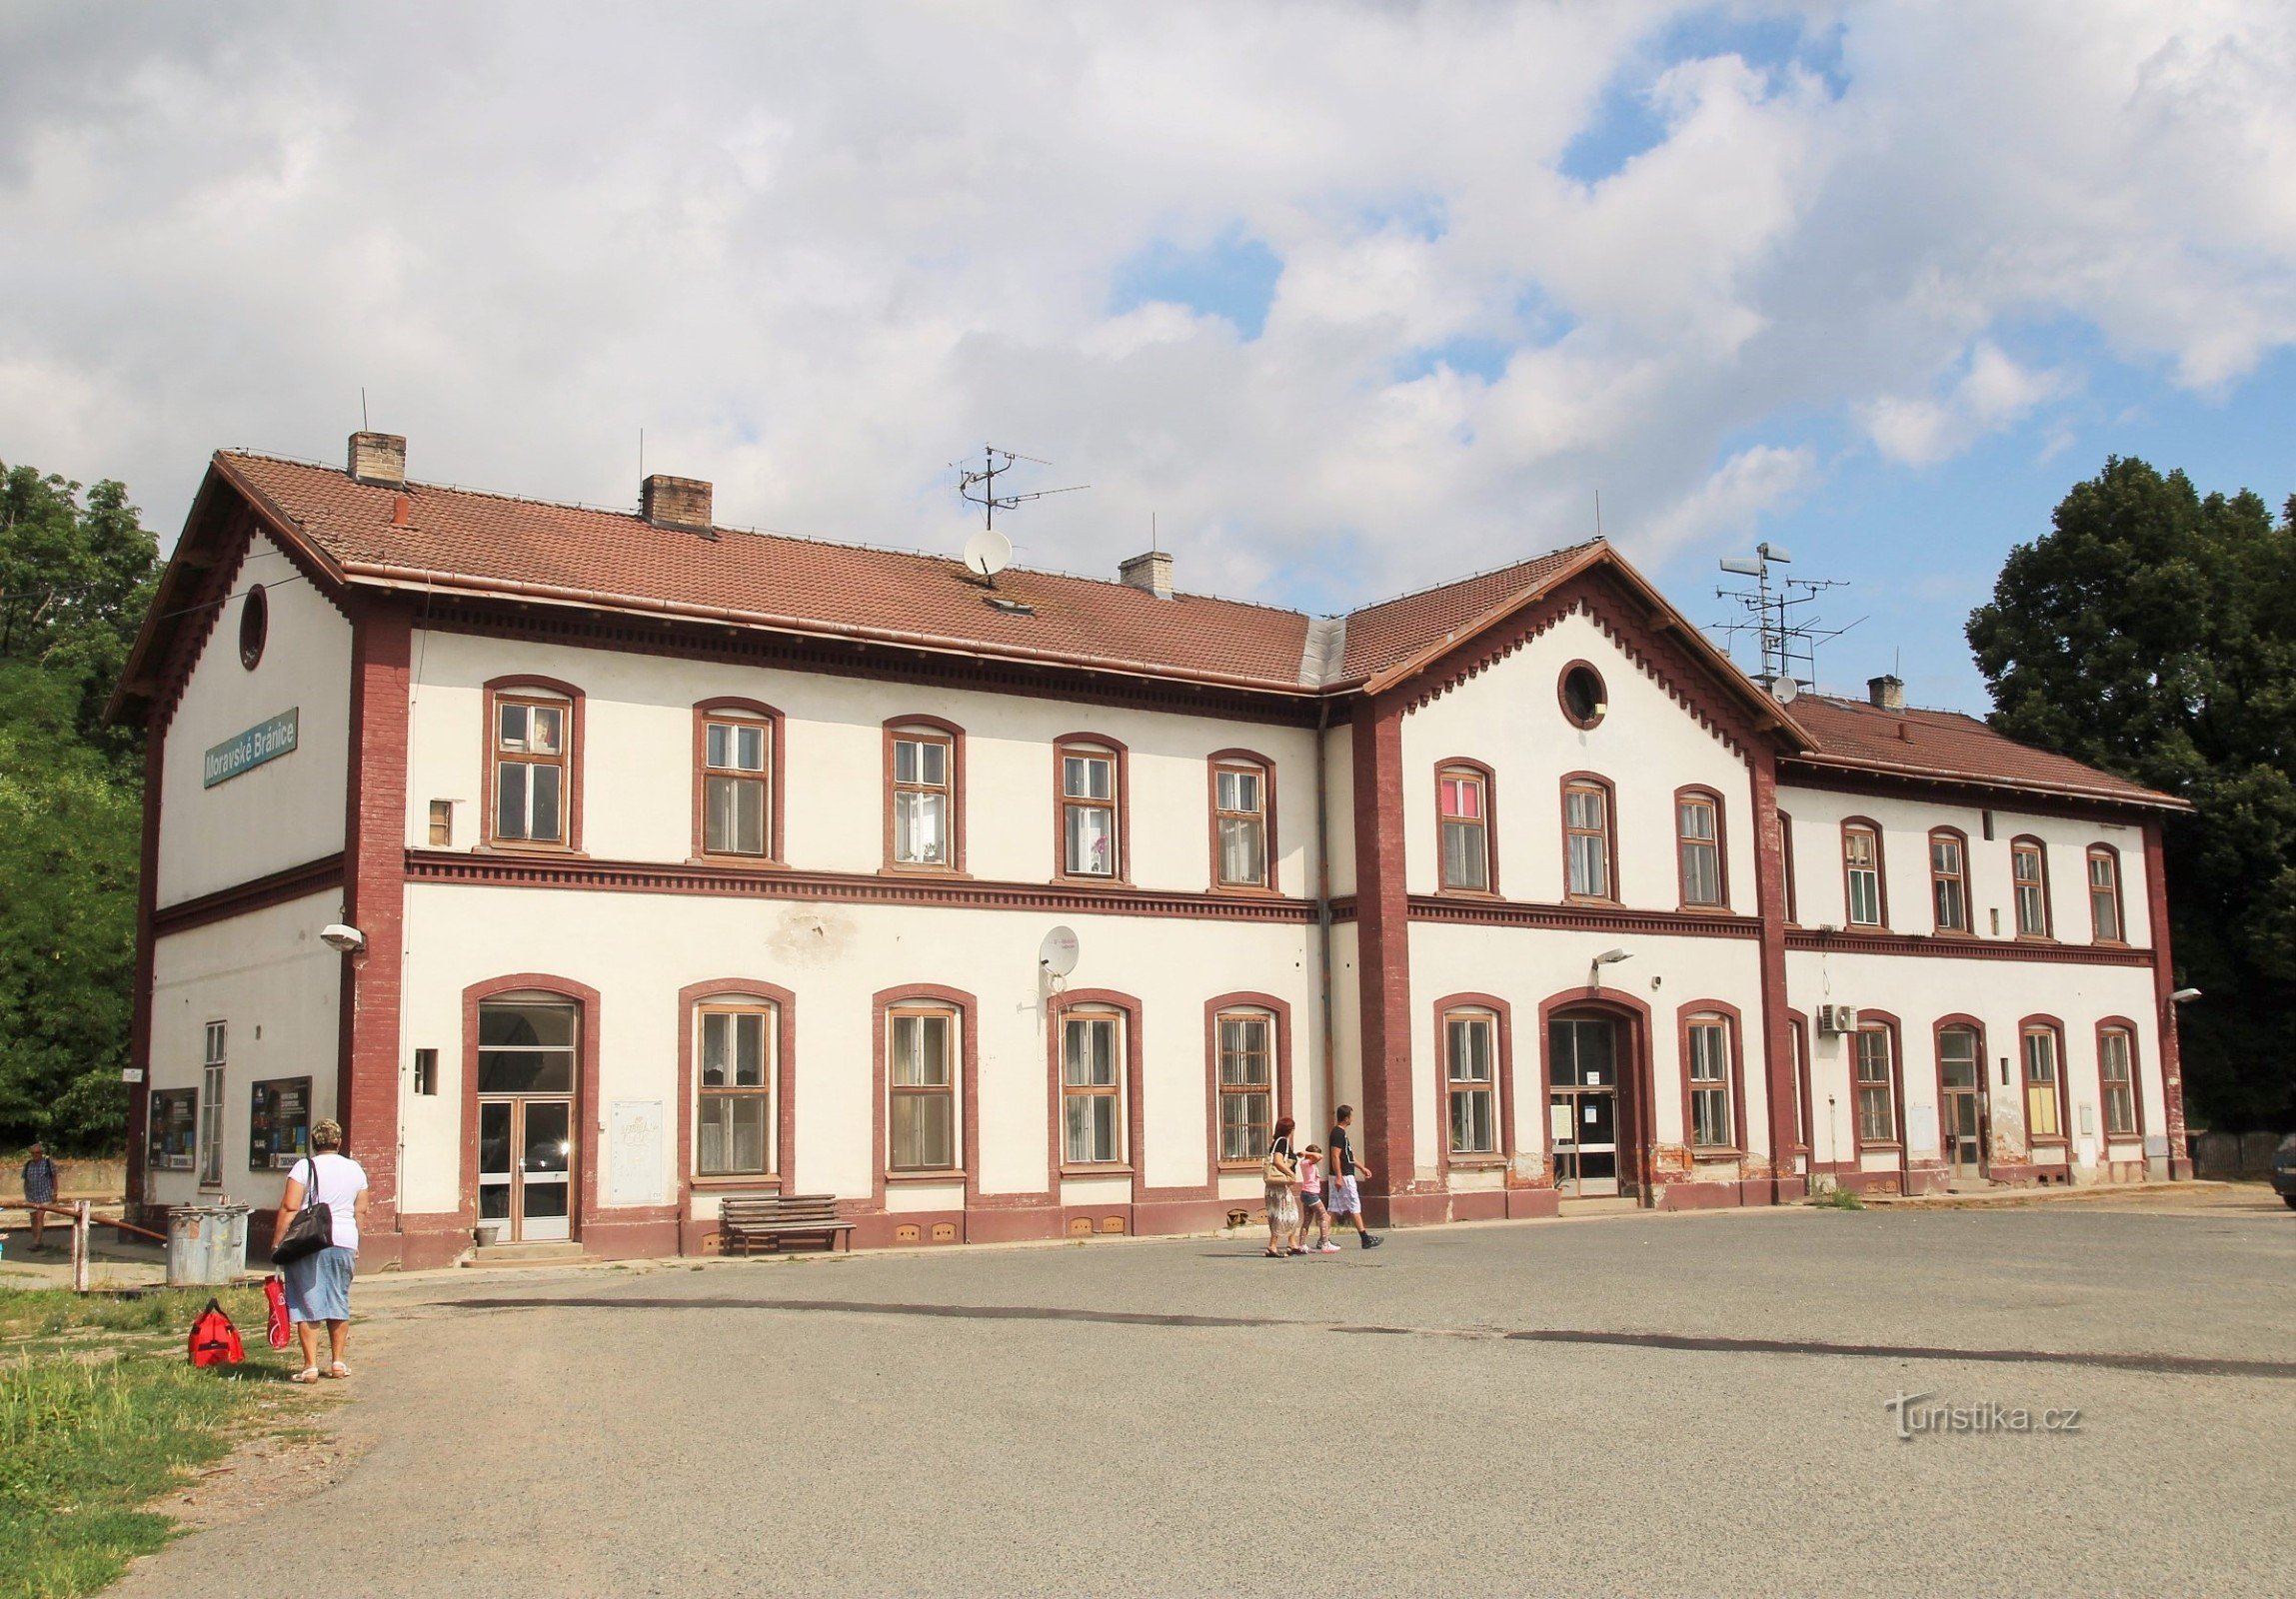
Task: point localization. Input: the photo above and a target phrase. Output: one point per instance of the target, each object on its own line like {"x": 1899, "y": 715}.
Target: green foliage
{"x": 2153, "y": 633}
{"x": 1835, "y": 1197}
{"x": 75, "y": 580}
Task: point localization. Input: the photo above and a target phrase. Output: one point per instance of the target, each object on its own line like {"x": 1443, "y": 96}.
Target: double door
{"x": 1584, "y": 1107}
{"x": 1961, "y": 1093}
{"x": 525, "y": 1167}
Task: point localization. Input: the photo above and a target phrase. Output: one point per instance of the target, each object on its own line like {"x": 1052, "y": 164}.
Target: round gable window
{"x": 1584, "y": 700}
{"x": 254, "y": 626}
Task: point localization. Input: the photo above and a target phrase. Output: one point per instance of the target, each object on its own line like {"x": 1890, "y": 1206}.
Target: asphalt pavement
{"x": 1655, "y": 1405}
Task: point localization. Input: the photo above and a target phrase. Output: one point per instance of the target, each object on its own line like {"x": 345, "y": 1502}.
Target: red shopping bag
{"x": 275, "y": 1296}
{"x": 214, "y": 1341}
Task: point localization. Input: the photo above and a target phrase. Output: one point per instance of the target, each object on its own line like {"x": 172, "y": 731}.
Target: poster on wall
{"x": 279, "y": 1124}
{"x": 174, "y": 1129}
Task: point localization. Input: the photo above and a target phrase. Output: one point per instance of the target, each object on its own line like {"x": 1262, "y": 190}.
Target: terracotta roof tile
{"x": 1393, "y": 631}
{"x": 606, "y": 556}
{"x": 1946, "y": 744}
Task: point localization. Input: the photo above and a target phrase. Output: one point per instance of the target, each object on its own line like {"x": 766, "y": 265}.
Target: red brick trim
{"x": 1120, "y": 780}
{"x": 785, "y": 1004}
{"x": 586, "y": 1103}
{"x": 1384, "y": 962}
{"x": 1242, "y": 757}
{"x": 2163, "y": 984}
{"x": 968, "y": 1010}
{"x": 1733, "y": 1023}
{"x": 1785, "y": 1054}
{"x": 1578, "y": 916}
{"x": 257, "y": 893}
{"x": 2040, "y": 800}
{"x": 1848, "y": 942}
{"x": 1502, "y": 1081}
{"x": 1637, "y": 1081}
{"x": 777, "y": 779}
{"x": 956, "y": 737}
{"x": 374, "y": 899}
{"x": 1279, "y": 1090}
{"x": 576, "y": 756}
{"x": 147, "y": 938}
{"x": 709, "y": 879}
{"x": 1490, "y": 887}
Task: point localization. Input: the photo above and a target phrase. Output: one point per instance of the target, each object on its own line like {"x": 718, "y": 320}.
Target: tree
{"x": 75, "y": 580}
{"x": 2153, "y": 632}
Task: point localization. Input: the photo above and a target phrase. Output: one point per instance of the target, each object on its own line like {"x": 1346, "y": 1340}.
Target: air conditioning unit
{"x": 1837, "y": 1019}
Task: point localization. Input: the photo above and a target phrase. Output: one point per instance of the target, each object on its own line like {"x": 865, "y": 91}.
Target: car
{"x": 2284, "y": 1170}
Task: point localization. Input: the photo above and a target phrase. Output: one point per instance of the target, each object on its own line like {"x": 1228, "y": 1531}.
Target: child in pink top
{"x": 1312, "y": 1212}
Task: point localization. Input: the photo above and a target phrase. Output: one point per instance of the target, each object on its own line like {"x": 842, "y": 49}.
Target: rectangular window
{"x": 1089, "y": 814}
{"x": 1246, "y": 1087}
{"x": 1462, "y": 801}
{"x": 733, "y": 788}
{"x": 922, "y": 1078}
{"x": 442, "y": 824}
{"x": 1861, "y": 864}
{"x": 174, "y": 1132}
{"x": 211, "y": 1108}
{"x": 1240, "y": 813}
{"x": 1710, "y": 1082}
{"x": 1469, "y": 1064}
{"x": 1787, "y": 852}
{"x": 278, "y": 1123}
{"x": 1587, "y": 840}
{"x": 2028, "y": 870}
{"x": 735, "y": 1091}
{"x": 2105, "y": 896}
{"x": 426, "y": 1072}
{"x": 1090, "y": 1091}
{"x": 1698, "y": 827}
{"x": 2115, "y": 1070}
{"x": 1948, "y": 883}
{"x": 529, "y": 770}
{"x": 923, "y": 791}
{"x": 1876, "y": 1087}
{"x": 2041, "y": 1083}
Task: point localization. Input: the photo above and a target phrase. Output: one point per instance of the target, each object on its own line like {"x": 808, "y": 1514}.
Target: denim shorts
{"x": 319, "y": 1286}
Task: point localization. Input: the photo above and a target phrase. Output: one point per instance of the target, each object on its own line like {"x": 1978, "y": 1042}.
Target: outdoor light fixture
{"x": 2183, "y": 994}
{"x": 345, "y": 940}
{"x": 1609, "y": 958}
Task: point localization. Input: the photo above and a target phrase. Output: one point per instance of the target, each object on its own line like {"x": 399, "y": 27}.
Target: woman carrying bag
{"x": 1283, "y": 1174}
{"x": 313, "y": 1244}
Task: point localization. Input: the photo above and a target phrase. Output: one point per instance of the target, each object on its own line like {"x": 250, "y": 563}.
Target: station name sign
{"x": 265, "y": 742}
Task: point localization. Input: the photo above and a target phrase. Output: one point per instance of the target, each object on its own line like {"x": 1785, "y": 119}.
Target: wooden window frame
{"x": 1264, "y": 769}
{"x": 2112, "y": 856}
{"x": 1892, "y": 1035}
{"x": 1958, "y": 879}
{"x": 1502, "y": 1081}
{"x": 1701, "y": 1014}
{"x": 775, "y": 777}
{"x": 1225, "y": 1090}
{"x": 1120, "y": 784}
{"x": 966, "y": 1008}
{"x": 1116, "y": 1091}
{"x": 1279, "y": 1013}
{"x": 569, "y": 702}
{"x": 767, "y": 1089}
{"x": 208, "y": 1108}
{"x": 1460, "y": 769}
{"x": 953, "y": 1091}
{"x": 2052, "y": 1028}
{"x": 1591, "y": 781}
{"x": 951, "y": 737}
{"x": 1865, "y": 824}
{"x": 2125, "y": 1030}
{"x": 2018, "y": 847}
{"x": 1454, "y": 1086}
{"x": 1697, "y": 794}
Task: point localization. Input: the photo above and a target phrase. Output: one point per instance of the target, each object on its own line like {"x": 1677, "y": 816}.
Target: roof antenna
{"x": 1599, "y": 513}
{"x": 363, "y": 407}
{"x": 1786, "y": 640}
{"x": 1152, "y": 545}
{"x": 641, "y": 455}
{"x": 995, "y": 463}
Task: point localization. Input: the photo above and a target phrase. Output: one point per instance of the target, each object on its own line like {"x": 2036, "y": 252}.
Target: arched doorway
{"x": 1597, "y": 1098}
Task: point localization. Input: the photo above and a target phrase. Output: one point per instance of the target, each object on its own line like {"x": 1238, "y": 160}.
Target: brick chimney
{"x": 678, "y": 503}
{"x": 1150, "y": 574}
{"x": 1886, "y": 692}
{"x": 379, "y": 459}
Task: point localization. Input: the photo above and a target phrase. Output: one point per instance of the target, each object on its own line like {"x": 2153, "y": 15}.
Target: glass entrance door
{"x": 1961, "y": 1081}
{"x": 527, "y": 1119}
{"x": 1582, "y": 1105}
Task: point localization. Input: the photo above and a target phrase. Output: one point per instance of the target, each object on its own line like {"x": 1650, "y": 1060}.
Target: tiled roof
{"x": 1947, "y": 745}
{"x": 616, "y": 558}
{"x": 1394, "y": 630}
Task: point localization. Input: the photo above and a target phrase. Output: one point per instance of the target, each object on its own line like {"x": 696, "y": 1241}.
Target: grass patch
{"x": 100, "y": 1412}
{"x": 1837, "y": 1198}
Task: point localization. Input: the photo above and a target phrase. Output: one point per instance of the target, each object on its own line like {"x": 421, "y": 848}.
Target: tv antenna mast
{"x": 995, "y": 463}
{"x": 1786, "y": 637}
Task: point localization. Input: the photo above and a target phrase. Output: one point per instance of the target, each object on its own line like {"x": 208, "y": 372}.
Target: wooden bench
{"x": 743, "y": 1224}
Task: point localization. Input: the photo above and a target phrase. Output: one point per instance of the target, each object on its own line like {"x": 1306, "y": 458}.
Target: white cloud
{"x": 818, "y": 252}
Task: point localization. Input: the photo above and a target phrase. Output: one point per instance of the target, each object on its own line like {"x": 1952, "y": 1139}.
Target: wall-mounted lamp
{"x": 1609, "y": 958}
{"x": 2183, "y": 995}
{"x": 344, "y": 941}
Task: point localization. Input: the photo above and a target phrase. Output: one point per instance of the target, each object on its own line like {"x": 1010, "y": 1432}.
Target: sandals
{"x": 307, "y": 1374}
{"x": 337, "y": 1370}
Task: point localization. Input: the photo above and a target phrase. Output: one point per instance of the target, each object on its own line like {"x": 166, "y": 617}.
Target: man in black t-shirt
{"x": 1340, "y": 1197}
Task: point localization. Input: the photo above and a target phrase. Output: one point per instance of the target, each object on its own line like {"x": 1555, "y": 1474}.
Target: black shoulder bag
{"x": 313, "y": 1228}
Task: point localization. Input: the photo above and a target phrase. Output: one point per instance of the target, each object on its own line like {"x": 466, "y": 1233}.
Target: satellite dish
{"x": 1786, "y": 690}
{"x": 1057, "y": 953}
{"x": 988, "y": 552}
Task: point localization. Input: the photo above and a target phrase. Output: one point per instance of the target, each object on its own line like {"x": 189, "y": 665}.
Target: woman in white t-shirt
{"x": 319, "y": 1285}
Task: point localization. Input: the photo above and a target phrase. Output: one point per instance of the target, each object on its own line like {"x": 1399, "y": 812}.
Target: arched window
{"x": 1876, "y": 1085}
{"x": 1709, "y": 1070}
{"x": 1247, "y": 1044}
{"x": 735, "y": 1038}
{"x": 1092, "y": 1087}
{"x": 1863, "y": 887}
{"x": 1699, "y": 847}
{"x": 1590, "y": 857}
{"x": 2116, "y": 1079}
{"x": 736, "y": 779}
{"x": 922, "y": 1071}
{"x": 1463, "y": 812}
{"x": 1470, "y": 1073}
{"x": 1242, "y": 820}
{"x": 1949, "y": 880}
{"x": 2105, "y": 894}
{"x": 1089, "y": 781}
{"x": 925, "y": 794}
{"x": 2029, "y": 877}
{"x": 2044, "y": 1050}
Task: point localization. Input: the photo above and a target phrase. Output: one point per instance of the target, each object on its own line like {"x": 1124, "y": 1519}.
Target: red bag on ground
{"x": 214, "y": 1341}
{"x": 281, "y": 1333}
